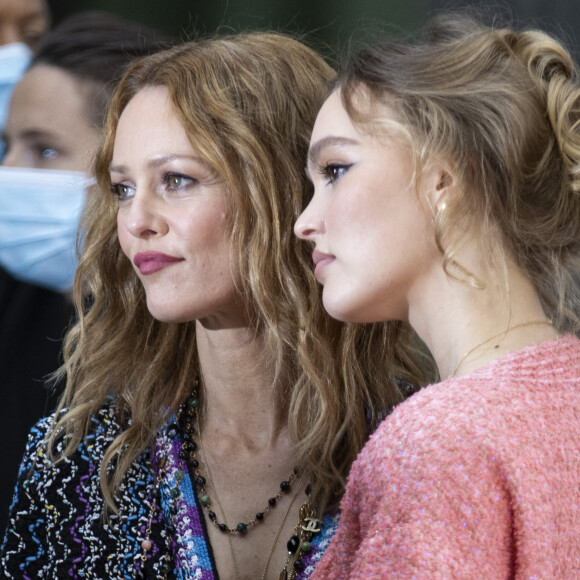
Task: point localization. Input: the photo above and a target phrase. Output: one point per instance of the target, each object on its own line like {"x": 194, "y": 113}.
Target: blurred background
{"x": 330, "y": 22}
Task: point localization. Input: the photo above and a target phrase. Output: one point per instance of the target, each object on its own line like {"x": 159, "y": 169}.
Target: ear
{"x": 437, "y": 184}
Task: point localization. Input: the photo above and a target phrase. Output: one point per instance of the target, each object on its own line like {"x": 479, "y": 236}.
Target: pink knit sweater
{"x": 474, "y": 477}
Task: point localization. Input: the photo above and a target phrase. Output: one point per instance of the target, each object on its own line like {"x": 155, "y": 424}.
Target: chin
{"x": 164, "y": 314}
{"x": 167, "y": 317}
{"x": 343, "y": 308}
{"x": 339, "y": 310}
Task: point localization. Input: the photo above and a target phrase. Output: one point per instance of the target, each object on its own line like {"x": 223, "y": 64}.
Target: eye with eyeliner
{"x": 178, "y": 181}
{"x": 331, "y": 172}
{"x": 121, "y": 191}
{"x": 171, "y": 182}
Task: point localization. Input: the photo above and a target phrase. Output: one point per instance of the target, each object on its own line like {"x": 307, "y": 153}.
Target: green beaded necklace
{"x": 189, "y": 453}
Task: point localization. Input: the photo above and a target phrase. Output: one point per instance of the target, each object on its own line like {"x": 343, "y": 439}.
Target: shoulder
{"x": 56, "y": 516}
{"x": 475, "y": 416}
{"x": 56, "y": 475}
{"x": 431, "y": 418}
{"x": 103, "y": 428}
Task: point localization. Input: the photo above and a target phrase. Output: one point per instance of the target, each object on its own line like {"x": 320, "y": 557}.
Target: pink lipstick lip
{"x": 321, "y": 260}
{"x": 150, "y": 262}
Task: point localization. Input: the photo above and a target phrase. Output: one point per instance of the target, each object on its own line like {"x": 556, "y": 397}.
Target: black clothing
{"x": 33, "y": 321}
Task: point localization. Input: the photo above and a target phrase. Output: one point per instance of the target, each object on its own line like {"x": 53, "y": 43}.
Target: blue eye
{"x": 48, "y": 152}
{"x": 333, "y": 171}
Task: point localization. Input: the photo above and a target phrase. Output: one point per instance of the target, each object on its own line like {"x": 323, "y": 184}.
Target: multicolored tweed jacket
{"x": 57, "y": 530}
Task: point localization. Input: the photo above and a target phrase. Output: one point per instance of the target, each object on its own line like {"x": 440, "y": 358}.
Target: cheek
{"x": 122, "y": 233}
{"x": 353, "y": 220}
{"x": 204, "y": 228}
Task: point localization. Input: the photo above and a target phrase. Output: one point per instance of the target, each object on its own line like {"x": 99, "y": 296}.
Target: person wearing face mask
{"x": 51, "y": 132}
{"x": 14, "y": 59}
{"x": 23, "y": 23}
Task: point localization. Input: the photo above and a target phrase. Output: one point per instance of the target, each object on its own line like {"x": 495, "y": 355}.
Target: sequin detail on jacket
{"x": 57, "y": 530}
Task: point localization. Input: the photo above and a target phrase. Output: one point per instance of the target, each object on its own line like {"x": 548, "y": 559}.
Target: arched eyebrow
{"x": 330, "y": 141}
{"x": 159, "y": 162}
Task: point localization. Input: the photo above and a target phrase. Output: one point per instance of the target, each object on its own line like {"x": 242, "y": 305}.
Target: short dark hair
{"x": 97, "y": 47}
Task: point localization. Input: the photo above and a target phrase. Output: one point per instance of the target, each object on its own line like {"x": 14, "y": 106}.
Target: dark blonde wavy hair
{"x": 503, "y": 107}
{"x": 248, "y": 103}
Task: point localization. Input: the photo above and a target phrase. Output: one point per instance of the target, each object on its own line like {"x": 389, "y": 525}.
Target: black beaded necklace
{"x": 190, "y": 426}
{"x": 299, "y": 544}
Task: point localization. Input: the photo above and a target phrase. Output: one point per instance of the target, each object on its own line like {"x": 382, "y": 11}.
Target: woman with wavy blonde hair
{"x": 212, "y": 409}
{"x": 446, "y": 171}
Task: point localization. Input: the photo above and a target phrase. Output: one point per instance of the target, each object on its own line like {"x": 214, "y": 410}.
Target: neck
{"x": 239, "y": 396}
{"x": 466, "y": 328}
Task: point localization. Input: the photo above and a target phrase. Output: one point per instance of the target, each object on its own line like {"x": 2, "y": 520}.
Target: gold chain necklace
{"x": 189, "y": 454}
{"x": 503, "y": 332}
{"x": 232, "y": 551}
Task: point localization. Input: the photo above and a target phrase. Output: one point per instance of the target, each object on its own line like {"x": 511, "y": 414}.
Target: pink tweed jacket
{"x": 475, "y": 477}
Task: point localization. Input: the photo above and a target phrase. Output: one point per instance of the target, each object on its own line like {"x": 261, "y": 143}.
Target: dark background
{"x": 326, "y": 22}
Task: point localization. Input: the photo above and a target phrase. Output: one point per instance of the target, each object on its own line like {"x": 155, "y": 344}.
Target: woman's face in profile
{"x": 48, "y": 124}
{"x": 172, "y": 216}
{"x": 373, "y": 241}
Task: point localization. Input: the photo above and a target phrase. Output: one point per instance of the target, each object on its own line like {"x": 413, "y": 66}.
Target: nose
{"x": 142, "y": 216}
{"x": 311, "y": 222}
{"x": 9, "y": 158}
{"x": 15, "y": 155}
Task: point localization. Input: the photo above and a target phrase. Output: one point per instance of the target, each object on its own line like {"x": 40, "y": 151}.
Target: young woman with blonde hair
{"x": 447, "y": 195}
{"x": 212, "y": 409}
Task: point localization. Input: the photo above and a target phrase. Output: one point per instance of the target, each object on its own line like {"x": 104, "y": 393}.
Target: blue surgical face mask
{"x": 14, "y": 59}
{"x": 40, "y": 211}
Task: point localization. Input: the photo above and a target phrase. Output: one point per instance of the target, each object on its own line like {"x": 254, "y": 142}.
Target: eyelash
{"x": 328, "y": 171}
{"x": 116, "y": 188}
{"x": 185, "y": 182}
{"x": 188, "y": 180}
